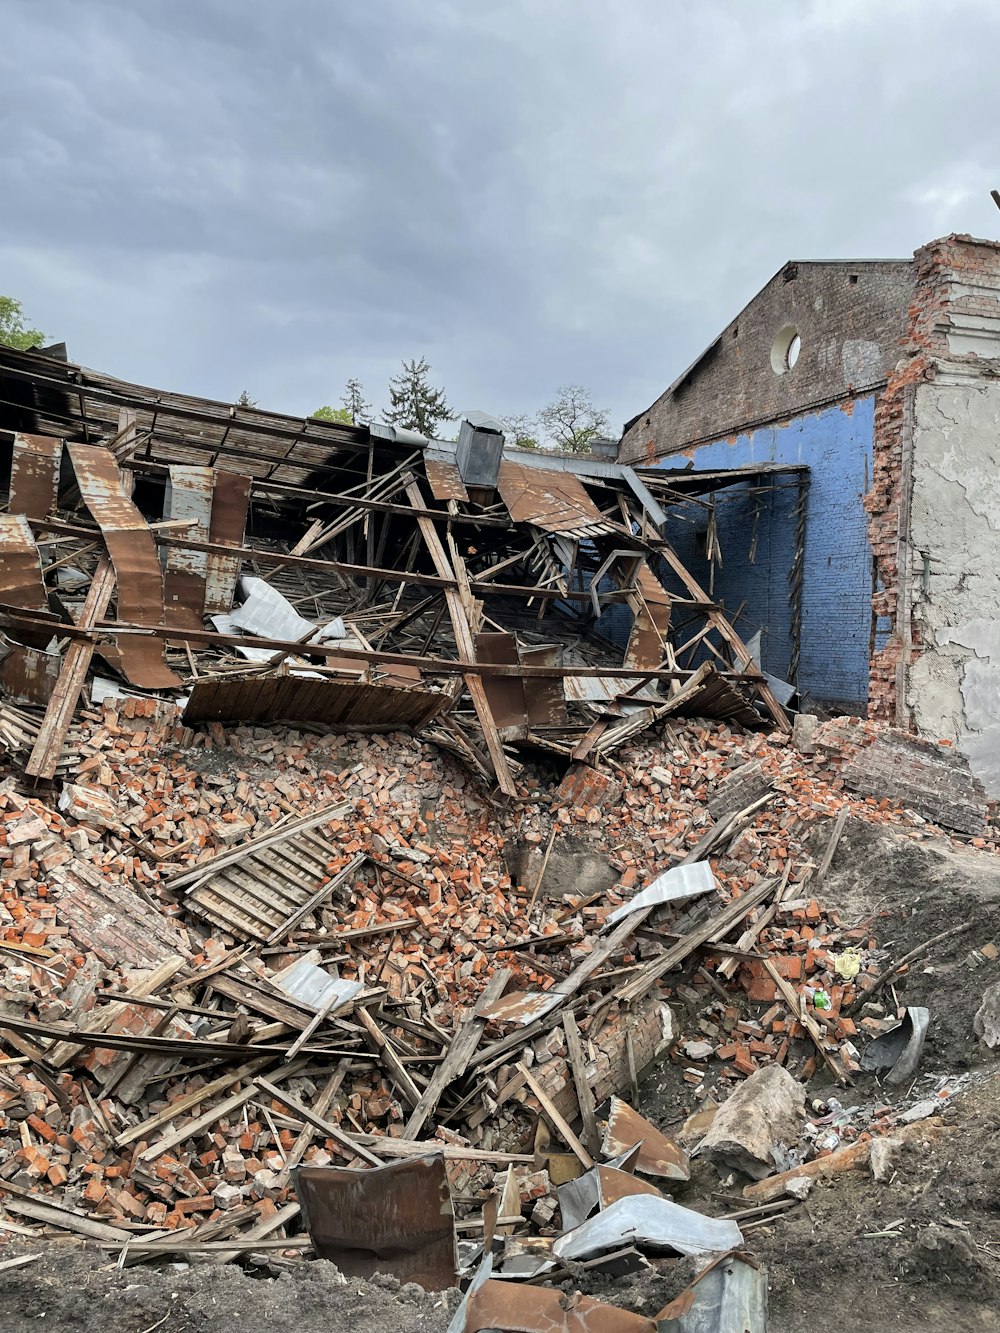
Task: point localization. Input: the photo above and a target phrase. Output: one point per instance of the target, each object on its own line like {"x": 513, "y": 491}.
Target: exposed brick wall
{"x": 953, "y": 278}
{"x": 851, "y": 335}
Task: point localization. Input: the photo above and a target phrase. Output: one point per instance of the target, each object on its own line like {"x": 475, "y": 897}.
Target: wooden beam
{"x": 466, "y": 647}
{"x": 44, "y": 757}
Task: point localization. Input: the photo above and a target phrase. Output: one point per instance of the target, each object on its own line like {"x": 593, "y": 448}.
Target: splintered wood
{"x": 333, "y": 958}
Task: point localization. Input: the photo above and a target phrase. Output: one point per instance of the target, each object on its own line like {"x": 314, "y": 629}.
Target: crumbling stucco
{"x": 953, "y": 687}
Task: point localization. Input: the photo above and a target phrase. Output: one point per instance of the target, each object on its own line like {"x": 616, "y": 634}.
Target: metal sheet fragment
{"x": 513, "y": 1308}
{"x": 21, "y": 582}
{"x": 137, "y": 567}
{"x": 730, "y": 1296}
{"x": 659, "y": 1224}
{"x": 34, "y": 475}
{"x": 395, "y": 1219}
{"x": 658, "y": 1155}
{"x": 673, "y": 885}
{"x": 553, "y": 501}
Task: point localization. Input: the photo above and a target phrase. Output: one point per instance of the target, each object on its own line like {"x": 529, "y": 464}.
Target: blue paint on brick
{"x": 836, "y": 446}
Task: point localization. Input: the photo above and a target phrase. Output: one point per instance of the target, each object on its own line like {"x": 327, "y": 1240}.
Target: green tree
{"x": 520, "y": 431}
{"x": 413, "y": 404}
{"x": 340, "y": 414}
{"x": 245, "y": 400}
{"x": 572, "y": 420}
{"x": 354, "y": 402}
{"x": 12, "y": 330}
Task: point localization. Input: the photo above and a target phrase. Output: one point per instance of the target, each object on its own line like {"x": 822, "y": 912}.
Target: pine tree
{"x": 245, "y": 400}
{"x": 354, "y": 402}
{"x": 413, "y": 404}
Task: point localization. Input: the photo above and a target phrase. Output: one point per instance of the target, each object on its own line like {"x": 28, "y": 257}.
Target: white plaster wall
{"x": 953, "y": 688}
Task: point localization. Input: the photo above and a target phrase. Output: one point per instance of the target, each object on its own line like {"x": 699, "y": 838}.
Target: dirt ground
{"x": 920, "y": 1251}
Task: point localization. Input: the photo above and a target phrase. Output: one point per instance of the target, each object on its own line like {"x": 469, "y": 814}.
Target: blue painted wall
{"x": 836, "y": 446}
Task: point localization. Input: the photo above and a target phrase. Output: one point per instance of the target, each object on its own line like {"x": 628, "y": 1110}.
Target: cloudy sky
{"x": 207, "y": 195}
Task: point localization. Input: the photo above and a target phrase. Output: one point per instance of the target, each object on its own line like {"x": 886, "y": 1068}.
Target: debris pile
{"x": 373, "y": 816}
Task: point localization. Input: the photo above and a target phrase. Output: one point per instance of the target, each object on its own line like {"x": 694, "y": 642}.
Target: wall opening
{"x": 785, "y": 349}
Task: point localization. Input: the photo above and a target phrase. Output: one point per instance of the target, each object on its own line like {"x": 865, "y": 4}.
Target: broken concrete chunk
{"x": 919, "y": 1111}
{"x": 762, "y": 1112}
{"x": 798, "y": 1187}
{"x": 804, "y": 732}
{"x": 986, "y": 1023}
{"x": 87, "y": 805}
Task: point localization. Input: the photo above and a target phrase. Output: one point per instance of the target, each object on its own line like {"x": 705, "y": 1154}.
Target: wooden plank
{"x": 797, "y": 1010}
{"x": 324, "y": 1126}
{"x": 726, "y": 631}
{"x": 254, "y": 845}
{"x": 321, "y": 894}
{"x": 552, "y": 1114}
{"x": 466, "y": 646}
{"x": 185, "y": 1103}
{"x": 396, "y": 1069}
{"x": 457, "y": 1057}
{"x": 322, "y": 1107}
{"x": 584, "y": 1093}
{"x": 44, "y": 758}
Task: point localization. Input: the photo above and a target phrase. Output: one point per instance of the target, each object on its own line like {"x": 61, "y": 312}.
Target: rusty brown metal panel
{"x": 658, "y": 1155}
{"x": 230, "y": 502}
{"x": 554, "y": 501}
{"x": 445, "y": 480}
{"x": 34, "y": 475}
{"x": 28, "y": 675}
{"x": 21, "y": 582}
{"x": 544, "y": 700}
{"x": 395, "y": 1219}
{"x": 520, "y": 1308}
{"x": 505, "y": 694}
{"x": 137, "y": 567}
{"x": 652, "y": 605}
{"x": 303, "y": 699}
{"x": 189, "y": 496}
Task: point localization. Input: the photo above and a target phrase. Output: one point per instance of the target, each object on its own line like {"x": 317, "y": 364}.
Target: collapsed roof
{"x": 267, "y": 567}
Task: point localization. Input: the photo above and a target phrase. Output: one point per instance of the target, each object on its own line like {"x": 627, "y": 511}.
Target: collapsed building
{"x": 374, "y": 810}
{"x": 859, "y": 398}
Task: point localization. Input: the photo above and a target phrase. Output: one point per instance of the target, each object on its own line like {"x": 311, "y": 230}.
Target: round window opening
{"x": 785, "y": 350}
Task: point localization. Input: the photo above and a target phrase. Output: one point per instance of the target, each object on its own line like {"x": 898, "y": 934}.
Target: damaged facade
{"x": 874, "y": 383}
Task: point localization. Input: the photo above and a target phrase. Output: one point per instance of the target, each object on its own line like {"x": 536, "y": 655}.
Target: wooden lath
{"x": 258, "y": 890}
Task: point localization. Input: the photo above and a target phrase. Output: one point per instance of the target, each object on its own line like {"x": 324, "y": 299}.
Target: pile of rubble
{"x": 179, "y": 1045}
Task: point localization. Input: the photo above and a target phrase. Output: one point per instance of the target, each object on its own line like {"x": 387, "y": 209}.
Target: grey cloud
{"x": 217, "y": 194}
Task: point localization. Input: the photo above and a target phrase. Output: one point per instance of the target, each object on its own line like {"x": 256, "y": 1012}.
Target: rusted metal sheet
{"x": 553, "y": 501}
{"x": 515, "y": 1308}
{"x": 28, "y": 675}
{"x": 188, "y": 496}
{"x": 717, "y": 697}
{"x": 651, "y": 604}
{"x": 658, "y": 1155}
{"x": 137, "y": 567}
{"x": 230, "y": 502}
{"x": 34, "y": 475}
{"x": 597, "y": 1188}
{"x": 517, "y": 704}
{"x": 21, "y": 582}
{"x": 444, "y": 479}
{"x": 312, "y": 699}
{"x": 544, "y": 700}
{"x": 199, "y": 583}
{"x": 395, "y": 1219}
{"x": 505, "y": 694}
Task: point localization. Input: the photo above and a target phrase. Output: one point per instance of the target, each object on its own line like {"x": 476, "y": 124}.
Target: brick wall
{"x": 851, "y": 317}
{"x": 836, "y": 444}
{"x": 951, "y": 329}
